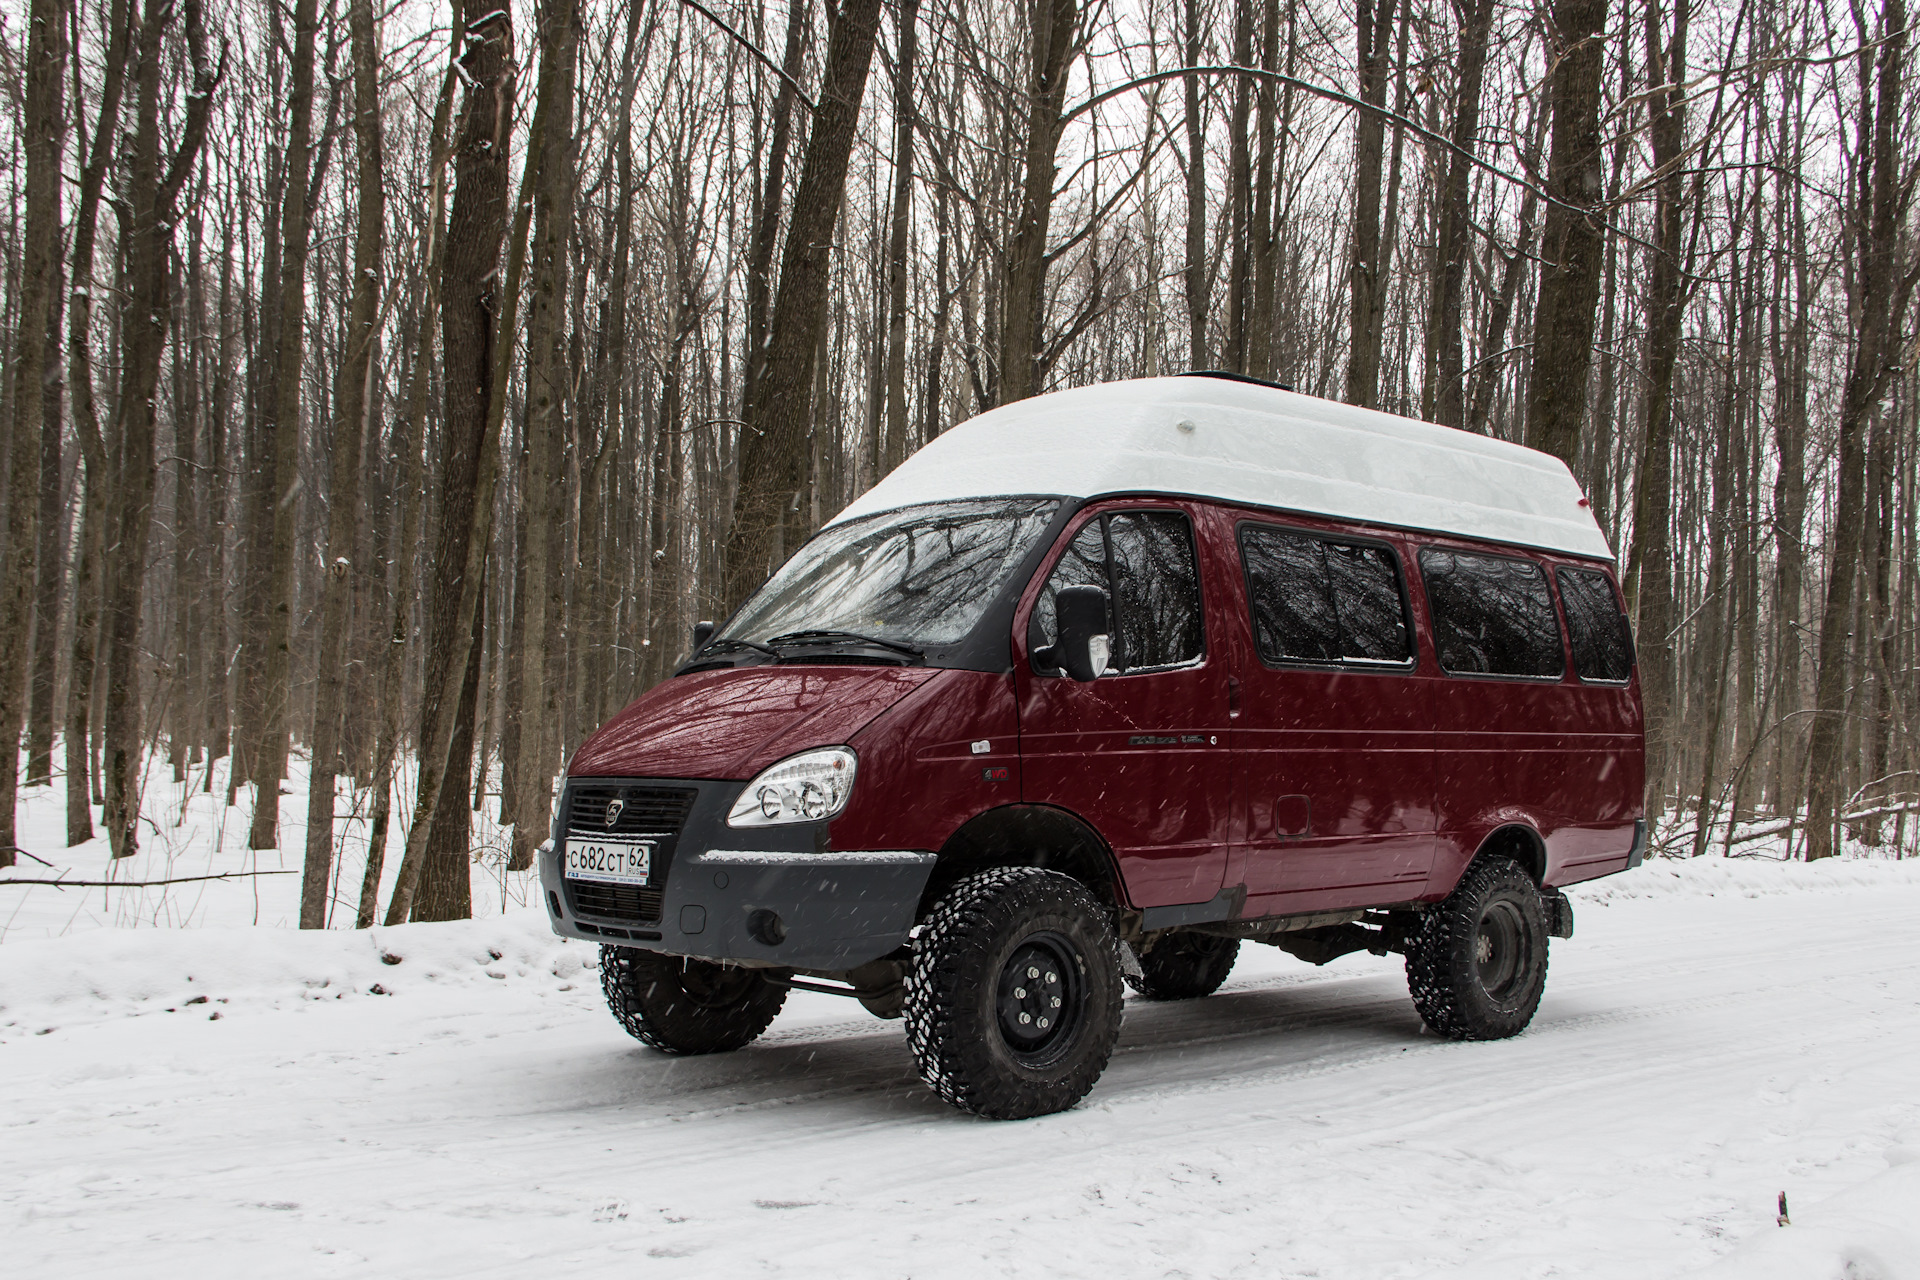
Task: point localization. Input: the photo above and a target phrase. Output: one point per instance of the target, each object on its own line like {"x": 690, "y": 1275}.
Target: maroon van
{"x": 1093, "y": 689}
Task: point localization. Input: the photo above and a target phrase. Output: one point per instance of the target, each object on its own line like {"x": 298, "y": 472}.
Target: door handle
{"x": 1233, "y": 697}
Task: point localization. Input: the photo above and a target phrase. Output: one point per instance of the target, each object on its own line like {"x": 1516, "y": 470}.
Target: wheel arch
{"x": 1027, "y": 835}
{"x": 1518, "y": 841}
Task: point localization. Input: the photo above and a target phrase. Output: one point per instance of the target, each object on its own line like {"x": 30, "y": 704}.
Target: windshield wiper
{"x": 823, "y": 635}
{"x": 728, "y": 643}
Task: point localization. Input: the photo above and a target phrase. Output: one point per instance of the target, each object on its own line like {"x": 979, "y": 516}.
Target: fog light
{"x": 766, "y": 927}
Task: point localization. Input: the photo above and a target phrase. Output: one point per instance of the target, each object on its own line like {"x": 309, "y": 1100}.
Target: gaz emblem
{"x": 614, "y": 806}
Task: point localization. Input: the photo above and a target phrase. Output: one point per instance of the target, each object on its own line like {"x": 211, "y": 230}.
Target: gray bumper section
{"x": 823, "y": 911}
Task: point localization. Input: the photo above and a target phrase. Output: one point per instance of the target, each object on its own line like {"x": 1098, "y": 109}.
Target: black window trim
{"x": 1553, "y": 596}
{"x": 1633, "y": 650}
{"x": 1074, "y": 527}
{"x": 1378, "y": 666}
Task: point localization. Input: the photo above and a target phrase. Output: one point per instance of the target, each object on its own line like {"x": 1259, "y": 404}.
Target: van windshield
{"x": 911, "y": 578}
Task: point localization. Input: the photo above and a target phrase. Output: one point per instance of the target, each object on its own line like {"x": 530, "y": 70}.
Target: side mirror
{"x": 702, "y": 632}
{"x": 1084, "y": 644}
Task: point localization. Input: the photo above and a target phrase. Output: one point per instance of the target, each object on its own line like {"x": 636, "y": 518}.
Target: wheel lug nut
{"x": 1025, "y": 1018}
{"x": 1034, "y": 973}
{"x": 1056, "y": 1002}
{"x": 1019, "y": 993}
{"x": 1043, "y": 1024}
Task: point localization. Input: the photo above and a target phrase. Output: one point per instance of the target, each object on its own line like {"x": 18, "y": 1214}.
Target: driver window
{"x": 1144, "y": 561}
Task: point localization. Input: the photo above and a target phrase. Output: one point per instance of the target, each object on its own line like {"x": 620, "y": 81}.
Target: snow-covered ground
{"x": 188, "y": 830}
{"x": 454, "y": 1100}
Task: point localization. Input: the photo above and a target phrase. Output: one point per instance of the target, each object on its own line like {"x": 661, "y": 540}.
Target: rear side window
{"x": 1602, "y": 644}
{"x": 1319, "y": 600}
{"x": 1492, "y": 615}
{"x": 1144, "y": 560}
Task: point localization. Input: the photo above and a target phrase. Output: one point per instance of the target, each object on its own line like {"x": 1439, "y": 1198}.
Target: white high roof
{"x": 1251, "y": 444}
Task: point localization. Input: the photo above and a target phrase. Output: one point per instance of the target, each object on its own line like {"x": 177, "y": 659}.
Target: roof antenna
{"x": 1228, "y": 375}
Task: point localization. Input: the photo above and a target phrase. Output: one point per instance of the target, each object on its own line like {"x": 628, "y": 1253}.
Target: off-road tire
{"x": 1185, "y": 966}
{"x": 683, "y": 1006}
{"x": 973, "y": 1014}
{"x": 1477, "y": 962}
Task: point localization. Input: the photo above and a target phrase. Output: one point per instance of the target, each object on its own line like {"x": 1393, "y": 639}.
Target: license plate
{"x": 609, "y": 861}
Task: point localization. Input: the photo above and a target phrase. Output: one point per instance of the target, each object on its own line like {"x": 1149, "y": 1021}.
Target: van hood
{"x": 734, "y": 723}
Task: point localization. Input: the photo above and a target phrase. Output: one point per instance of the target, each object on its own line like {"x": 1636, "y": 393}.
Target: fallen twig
{"x": 144, "y": 884}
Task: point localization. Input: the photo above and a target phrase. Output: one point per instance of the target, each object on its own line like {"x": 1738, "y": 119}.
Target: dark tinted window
{"x": 1316, "y": 600}
{"x": 1156, "y": 588}
{"x": 1491, "y": 615}
{"x": 1152, "y": 583}
{"x": 1602, "y": 645}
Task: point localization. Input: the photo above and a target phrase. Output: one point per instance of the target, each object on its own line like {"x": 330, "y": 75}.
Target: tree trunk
{"x": 896, "y": 450}
{"x": 766, "y": 230}
{"x": 91, "y": 548}
{"x": 151, "y": 193}
{"x": 52, "y": 537}
{"x": 547, "y": 395}
{"x": 1366, "y": 301}
{"x": 1023, "y": 279}
{"x": 1878, "y": 208}
{"x": 1196, "y": 275}
{"x": 773, "y": 452}
{"x": 343, "y": 509}
{"x": 1572, "y": 239}
{"x": 408, "y": 445}
{"x": 44, "y": 138}
{"x": 475, "y": 309}
{"x": 1445, "y": 399}
{"x": 1650, "y": 567}
{"x": 282, "y": 428}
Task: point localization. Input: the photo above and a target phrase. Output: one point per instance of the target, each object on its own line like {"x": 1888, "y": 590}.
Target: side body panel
{"x": 1142, "y": 757}
{"x": 1562, "y": 757}
{"x": 921, "y": 774}
{"x": 1335, "y": 763}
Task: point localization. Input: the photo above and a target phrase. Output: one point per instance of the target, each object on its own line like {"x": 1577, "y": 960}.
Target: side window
{"x": 1316, "y": 600}
{"x": 1491, "y": 615}
{"x": 1083, "y": 565}
{"x": 1602, "y": 644}
{"x": 1156, "y": 589}
{"x": 1152, "y": 582}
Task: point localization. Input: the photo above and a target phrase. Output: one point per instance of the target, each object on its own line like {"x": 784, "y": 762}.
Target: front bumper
{"x": 772, "y": 896}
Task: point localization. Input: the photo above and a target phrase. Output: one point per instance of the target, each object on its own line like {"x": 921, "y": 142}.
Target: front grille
{"x": 644, "y": 811}
{"x": 648, "y": 813}
{"x": 615, "y": 901}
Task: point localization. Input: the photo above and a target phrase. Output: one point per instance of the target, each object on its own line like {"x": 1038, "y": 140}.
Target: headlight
{"x": 805, "y": 788}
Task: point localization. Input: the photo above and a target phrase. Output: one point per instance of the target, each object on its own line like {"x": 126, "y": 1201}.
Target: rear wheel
{"x": 1013, "y": 999}
{"x": 1477, "y": 963}
{"x": 680, "y": 1005}
{"x": 1184, "y": 966}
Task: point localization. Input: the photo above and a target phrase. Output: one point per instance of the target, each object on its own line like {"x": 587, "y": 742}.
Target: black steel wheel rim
{"x": 1501, "y": 949}
{"x": 1040, "y": 998}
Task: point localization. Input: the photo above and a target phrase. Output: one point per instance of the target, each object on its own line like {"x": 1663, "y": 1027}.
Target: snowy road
{"x": 1695, "y": 1055}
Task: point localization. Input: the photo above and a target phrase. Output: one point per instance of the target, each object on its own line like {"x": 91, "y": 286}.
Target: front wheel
{"x": 1013, "y": 999}
{"x": 680, "y": 1005}
{"x": 1477, "y": 963}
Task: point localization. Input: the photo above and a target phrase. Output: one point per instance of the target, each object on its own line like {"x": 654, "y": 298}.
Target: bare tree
{"x": 45, "y": 128}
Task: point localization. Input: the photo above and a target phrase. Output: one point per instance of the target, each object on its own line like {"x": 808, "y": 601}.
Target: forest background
{"x": 400, "y": 384}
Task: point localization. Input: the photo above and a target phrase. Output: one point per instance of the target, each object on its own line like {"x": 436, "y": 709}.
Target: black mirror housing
{"x": 1084, "y": 646}
{"x": 702, "y": 632}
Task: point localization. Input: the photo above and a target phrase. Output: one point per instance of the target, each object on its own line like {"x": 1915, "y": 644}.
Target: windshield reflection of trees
{"x": 924, "y": 574}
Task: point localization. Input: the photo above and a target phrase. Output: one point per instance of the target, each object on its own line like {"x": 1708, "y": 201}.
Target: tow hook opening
{"x": 766, "y": 927}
